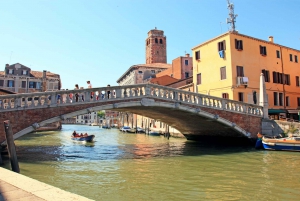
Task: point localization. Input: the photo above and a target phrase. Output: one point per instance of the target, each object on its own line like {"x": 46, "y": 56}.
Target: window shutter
{"x": 224, "y": 45}
{"x": 265, "y": 50}
{"x": 297, "y": 81}
{"x": 236, "y": 44}
{"x": 241, "y": 44}
{"x": 274, "y": 77}
{"x": 268, "y": 76}
{"x": 260, "y": 49}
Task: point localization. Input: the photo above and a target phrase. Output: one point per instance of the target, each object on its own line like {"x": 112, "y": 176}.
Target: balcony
{"x": 242, "y": 81}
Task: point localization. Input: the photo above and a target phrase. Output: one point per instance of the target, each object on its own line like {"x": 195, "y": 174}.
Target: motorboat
{"x": 291, "y": 143}
{"x": 154, "y": 133}
{"x": 86, "y": 138}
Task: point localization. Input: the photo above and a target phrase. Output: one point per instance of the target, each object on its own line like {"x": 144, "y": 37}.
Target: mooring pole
{"x": 11, "y": 147}
{"x": 1, "y": 162}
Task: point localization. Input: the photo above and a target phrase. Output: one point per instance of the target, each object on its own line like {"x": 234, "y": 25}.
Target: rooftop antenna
{"x": 232, "y": 16}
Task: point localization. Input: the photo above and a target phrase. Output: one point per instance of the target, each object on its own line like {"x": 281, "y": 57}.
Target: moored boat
{"x": 88, "y": 138}
{"x": 154, "y": 133}
{"x": 286, "y": 143}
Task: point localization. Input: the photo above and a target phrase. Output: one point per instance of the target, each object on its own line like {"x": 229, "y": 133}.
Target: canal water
{"x": 120, "y": 166}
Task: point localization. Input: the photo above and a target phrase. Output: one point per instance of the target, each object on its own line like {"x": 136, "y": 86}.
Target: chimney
{"x": 44, "y": 73}
{"x": 271, "y": 39}
{"x": 187, "y": 55}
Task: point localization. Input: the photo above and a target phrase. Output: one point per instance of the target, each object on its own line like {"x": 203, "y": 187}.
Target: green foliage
{"x": 101, "y": 114}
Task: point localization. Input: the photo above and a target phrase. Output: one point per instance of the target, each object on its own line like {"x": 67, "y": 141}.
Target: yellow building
{"x": 230, "y": 65}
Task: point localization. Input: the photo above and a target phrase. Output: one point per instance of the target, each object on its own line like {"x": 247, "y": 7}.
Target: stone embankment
{"x": 14, "y": 186}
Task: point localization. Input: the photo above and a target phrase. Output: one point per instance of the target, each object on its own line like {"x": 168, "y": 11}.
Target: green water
{"x": 120, "y": 166}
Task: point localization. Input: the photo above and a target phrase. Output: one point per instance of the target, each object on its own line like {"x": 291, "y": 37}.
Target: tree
{"x": 101, "y": 114}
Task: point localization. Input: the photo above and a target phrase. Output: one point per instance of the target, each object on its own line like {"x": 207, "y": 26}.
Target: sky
{"x": 98, "y": 40}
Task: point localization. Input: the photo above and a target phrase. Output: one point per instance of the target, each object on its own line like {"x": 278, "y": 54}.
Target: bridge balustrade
{"x": 70, "y": 97}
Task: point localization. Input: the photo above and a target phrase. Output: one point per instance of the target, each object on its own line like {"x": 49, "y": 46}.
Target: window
{"x": 11, "y": 71}
{"x": 287, "y": 79}
{"x": 23, "y": 84}
{"x": 140, "y": 72}
{"x": 160, "y": 41}
{"x": 10, "y": 83}
{"x": 32, "y": 85}
{"x": 281, "y": 99}
{"x": 156, "y": 41}
{"x": 24, "y": 72}
{"x": 186, "y": 74}
{"x": 38, "y": 85}
{"x": 152, "y": 71}
{"x": 275, "y": 98}
{"x": 287, "y": 101}
{"x": 263, "y": 50}
{"x": 296, "y": 58}
{"x": 197, "y": 55}
{"x": 1, "y": 83}
{"x": 223, "y": 73}
{"x": 171, "y": 75}
{"x": 254, "y": 94}
{"x": 199, "y": 81}
{"x": 238, "y": 44}
{"x": 240, "y": 71}
{"x": 221, "y": 45}
{"x": 225, "y": 95}
{"x": 241, "y": 96}
{"x": 186, "y": 62}
{"x": 297, "y": 81}
{"x": 291, "y": 57}
{"x": 298, "y": 100}
{"x": 277, "y": 53}
{"x": 277, "y": 77}
{"x": 266, "y": 75}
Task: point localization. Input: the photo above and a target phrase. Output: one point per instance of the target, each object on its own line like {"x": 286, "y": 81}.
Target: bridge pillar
{"x": 263, "y": 99}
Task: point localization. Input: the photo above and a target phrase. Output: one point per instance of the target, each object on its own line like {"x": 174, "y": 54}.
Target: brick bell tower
{"x": 156, "y": 47}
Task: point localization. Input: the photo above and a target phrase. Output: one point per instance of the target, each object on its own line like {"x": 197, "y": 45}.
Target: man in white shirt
{"x": 90, "y": 86}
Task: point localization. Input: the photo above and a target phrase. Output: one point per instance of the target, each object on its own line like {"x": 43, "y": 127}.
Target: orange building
{"x": 230, "y": 65}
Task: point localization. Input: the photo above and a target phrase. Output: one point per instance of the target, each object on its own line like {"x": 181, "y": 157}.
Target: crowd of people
{"x": 80, "y": 96}
{"x": 75, "y": 134}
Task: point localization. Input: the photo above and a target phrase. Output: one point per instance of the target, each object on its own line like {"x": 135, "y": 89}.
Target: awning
{"x": 293, "y": 111}
{"x": 276, "y": 111}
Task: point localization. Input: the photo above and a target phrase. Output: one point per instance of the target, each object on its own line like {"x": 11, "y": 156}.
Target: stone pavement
{"x": 14, "y": 186}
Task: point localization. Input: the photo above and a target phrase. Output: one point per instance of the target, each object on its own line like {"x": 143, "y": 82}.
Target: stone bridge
{"x": 193, "y": 114}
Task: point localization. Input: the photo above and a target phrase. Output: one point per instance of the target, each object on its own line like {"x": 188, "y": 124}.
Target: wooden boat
{"x": 88, "y": 138}
{"x": 287, "y": 143}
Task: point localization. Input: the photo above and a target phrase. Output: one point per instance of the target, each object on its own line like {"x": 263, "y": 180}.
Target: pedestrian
{"x": 108, "y": 92}
{"x": 76, "y": 94}
{"x": 89, "y": 87}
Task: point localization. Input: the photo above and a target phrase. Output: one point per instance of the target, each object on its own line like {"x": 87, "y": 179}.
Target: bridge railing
{"x": 67, "y": 97}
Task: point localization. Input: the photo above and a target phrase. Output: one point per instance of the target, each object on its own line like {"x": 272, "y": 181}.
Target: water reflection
{"x": 120, "y": 166}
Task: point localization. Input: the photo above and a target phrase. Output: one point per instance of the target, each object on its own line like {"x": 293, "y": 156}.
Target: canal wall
{"x": 14, "y": 186}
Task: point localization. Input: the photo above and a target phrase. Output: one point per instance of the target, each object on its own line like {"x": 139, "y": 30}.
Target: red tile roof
{"x": 163, "y": 80}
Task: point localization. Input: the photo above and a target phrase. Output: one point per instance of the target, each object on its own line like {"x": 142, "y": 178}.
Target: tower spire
{"x": 232, "y": 16}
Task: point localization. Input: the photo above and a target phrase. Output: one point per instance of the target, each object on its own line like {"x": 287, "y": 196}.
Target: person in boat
{"x": 74, "y": 134}
{"x": 85, "y": 135}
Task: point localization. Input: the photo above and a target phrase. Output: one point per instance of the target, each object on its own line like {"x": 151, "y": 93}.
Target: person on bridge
{"x": 89, "y": 87}
{"x": 108, "y": 92}
{"x": 76, "y": 94}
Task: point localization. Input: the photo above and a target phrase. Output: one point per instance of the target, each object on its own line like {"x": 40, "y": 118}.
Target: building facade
{"x": 21, "y": 79}
{"x": 229, "y": 66}
{"x": 89, "y": 118}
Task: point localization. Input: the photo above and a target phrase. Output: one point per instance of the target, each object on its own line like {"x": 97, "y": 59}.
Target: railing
{"x": 72, "y": 97}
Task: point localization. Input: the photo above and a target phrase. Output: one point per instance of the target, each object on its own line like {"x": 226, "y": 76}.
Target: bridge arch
{"x": 191, "y": 113}
{"x": 157, "y": 108}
